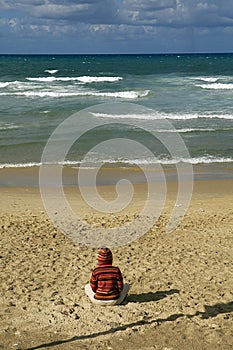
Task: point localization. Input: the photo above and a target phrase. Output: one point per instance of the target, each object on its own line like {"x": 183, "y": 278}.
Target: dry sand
{"x": 181, "y": 282}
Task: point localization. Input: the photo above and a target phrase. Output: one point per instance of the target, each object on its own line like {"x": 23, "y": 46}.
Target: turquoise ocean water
{"x": 193, "y": 92}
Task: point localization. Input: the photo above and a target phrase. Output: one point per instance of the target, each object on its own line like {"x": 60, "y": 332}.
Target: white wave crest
{"x": 16, "y": 84}
{"x": 20, "y": 165}
{"x": 89, "y": 79}
{"x": 216, "y": 86}
{"x": 123, "y": 94}
{"x": 9, "y": 126}
{"x": 52, "y": 79}
{"x": 141, "y": 116}
{"x": 168, "y": 161}
{"x": 203, "y": 160}
{"x": 207, "y": 79}
{"x": 51, "y": 71}
{"x": 81, "y": 79}
{"x": 124, "y": 162}
{"x": 160, "y": 115}
{"x": 187, "y": 130}
{"x": 4, "y": 84}
{"x": 53, "y": 94}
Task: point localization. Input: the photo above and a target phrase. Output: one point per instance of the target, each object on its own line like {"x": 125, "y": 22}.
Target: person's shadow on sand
{"x": 214, "y": 310}
{"x": 150, "y": 296}
{"x": 210, "y": 311}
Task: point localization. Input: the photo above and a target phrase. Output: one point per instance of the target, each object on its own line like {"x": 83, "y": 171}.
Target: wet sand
{"x": 181, "y": 282}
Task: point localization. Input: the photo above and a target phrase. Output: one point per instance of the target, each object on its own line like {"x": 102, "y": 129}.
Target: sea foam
{"x": 51, "y": 71}
{"x": 207, "y": 79}
{"x": 81, "y": 79}
{"x": 56, "y": 94}
{"x": 9, "y": 126}
{"x": 161, "y": 115}
{"x": 93, "y": 163}
{"x": 216, "y": 86}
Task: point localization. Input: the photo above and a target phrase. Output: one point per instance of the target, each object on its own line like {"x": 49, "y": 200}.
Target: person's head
{"x": 104, "y": 256}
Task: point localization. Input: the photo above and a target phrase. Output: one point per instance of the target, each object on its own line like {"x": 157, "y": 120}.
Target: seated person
{"x": 106, "y": 286}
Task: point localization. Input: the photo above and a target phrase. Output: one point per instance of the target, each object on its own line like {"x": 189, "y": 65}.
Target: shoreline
{"x": 29, "y": 176}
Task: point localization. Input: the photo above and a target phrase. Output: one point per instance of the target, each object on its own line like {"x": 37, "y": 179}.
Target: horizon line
{"x": 114, "y": 53}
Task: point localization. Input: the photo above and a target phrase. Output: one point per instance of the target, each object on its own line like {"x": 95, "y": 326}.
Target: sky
{"x": 116, "y": 26}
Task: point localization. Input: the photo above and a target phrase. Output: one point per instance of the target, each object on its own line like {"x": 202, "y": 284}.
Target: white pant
{"x": 89, "y": 292}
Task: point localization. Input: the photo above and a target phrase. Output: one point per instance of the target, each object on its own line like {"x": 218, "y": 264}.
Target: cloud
{"x": 120, "y": 20}
{"x": 86, "y": 11}
{"x": 168, "y": 13}
{"x": 177, "y": 13}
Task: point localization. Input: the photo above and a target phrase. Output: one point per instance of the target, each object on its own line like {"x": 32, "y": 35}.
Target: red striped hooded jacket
{"x": 106, "y": 280}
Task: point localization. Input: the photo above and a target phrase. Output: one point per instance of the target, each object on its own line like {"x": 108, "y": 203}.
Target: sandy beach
{"x": 181, "y": 282}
